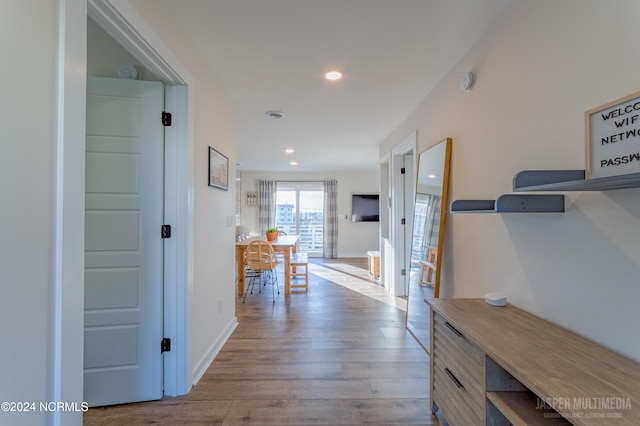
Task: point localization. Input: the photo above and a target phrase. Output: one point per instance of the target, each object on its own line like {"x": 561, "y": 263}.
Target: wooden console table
{"x": 501, "y": 365}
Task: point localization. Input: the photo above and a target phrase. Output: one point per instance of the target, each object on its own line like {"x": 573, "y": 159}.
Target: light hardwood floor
{"x": 338, "y": 354}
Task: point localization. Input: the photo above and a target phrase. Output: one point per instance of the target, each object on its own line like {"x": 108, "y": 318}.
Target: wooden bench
{"x": 374, "y": 263}
{"x": 300, "y": 260}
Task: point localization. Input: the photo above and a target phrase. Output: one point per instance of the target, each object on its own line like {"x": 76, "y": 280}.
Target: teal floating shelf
{"x": 473, "y": 206}
{"x": 516, "y": 203}
{"x": 570, "y": 180}
{"x": 544, "y": 181}
{"x": 512, "y": 203}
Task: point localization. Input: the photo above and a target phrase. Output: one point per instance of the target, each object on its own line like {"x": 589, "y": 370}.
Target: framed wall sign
{"x": 251, "y": 199}
{"x": 613, "y": 138}
{"x": 218, "y": 170}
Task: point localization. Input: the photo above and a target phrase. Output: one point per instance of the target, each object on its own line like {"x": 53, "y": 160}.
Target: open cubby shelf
{"x": 544, "y": 180}
{"x": 520, "y": 408}
{"x": 509, "y": 402}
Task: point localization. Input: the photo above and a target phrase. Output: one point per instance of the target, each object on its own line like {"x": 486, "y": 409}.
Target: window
{"x": 300, "y": 210}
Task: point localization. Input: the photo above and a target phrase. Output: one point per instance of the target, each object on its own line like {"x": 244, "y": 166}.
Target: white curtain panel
{"x": 266, "y": 204}
{"x": 433, "y": 221}
{"x": 330, "y": 244}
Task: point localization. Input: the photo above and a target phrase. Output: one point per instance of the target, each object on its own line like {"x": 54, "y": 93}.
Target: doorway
{"x": 401, "y": 182}
{"x": 118, "y": 22}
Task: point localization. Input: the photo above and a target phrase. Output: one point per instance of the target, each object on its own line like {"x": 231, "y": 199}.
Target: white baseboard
{"x": 352, "y": 255}
{"x": 210, "y": 355}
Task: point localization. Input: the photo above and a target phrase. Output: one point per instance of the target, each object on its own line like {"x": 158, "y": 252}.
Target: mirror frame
{"x": 441, "y": 227}
{"x": 443, "y": 212}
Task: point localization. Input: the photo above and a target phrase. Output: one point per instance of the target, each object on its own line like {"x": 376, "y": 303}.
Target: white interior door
{"x": 123, "y": 245}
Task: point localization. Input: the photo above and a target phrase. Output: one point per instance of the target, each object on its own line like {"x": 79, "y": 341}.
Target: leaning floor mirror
{"x": 427, "y": 237}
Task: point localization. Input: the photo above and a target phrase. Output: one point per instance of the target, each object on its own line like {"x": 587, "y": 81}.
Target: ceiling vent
{"x": 275, "y": 115}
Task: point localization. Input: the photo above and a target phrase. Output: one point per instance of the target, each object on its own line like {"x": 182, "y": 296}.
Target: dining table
{"x": 286, "y": 244}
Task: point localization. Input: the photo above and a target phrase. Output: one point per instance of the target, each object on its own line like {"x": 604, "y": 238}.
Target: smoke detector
{"x": 275, "y": 115}
{"x": 467, "y": 81}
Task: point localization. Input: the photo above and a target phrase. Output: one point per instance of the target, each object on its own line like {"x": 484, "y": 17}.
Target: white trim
{"x": 67, "y": 343}
{"x": 398, "y": 286}
{"x": 119, "y": 19}
{"x": 409, "y": 186}
{"x": 214, "y": 350}
{"x": 385, "y": 224}
{"x": 176, "y": 371}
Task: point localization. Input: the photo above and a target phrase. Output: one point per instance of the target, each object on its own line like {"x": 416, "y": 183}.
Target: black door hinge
{"x": 165, "y": 345}
{"x": 166, "y": 119}
{"x": 403, "y": 272}
{"x": 166, "y": 231}
{"x": 403, "y": 221}
{"x": 402, "y": 171}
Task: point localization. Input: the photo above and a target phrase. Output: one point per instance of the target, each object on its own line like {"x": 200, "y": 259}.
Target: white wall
{"x": 539, "y": 68}
{"x": 354, "y": 239}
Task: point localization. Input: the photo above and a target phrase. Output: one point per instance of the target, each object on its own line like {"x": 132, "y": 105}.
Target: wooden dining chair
{"x": 261, "y": 261}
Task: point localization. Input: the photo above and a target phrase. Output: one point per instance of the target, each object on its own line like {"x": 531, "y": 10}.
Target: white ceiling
{"x": 273, "y": 54}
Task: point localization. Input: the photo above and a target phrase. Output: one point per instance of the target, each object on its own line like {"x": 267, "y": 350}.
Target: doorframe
{"x": 409, "y": 185}
{"x": 67, "y": 246}
{"x": 123, "y": 22}
{"x": 397, "y": 230}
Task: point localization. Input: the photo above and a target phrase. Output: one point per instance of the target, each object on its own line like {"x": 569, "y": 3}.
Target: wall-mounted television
{"x": 365, "y": 208}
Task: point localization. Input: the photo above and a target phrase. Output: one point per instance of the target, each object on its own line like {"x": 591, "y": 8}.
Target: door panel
{"x": 123, "y": 248}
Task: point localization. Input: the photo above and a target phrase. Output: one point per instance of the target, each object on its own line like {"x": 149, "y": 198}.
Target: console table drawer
{"x": 458, "y": 374}
{"x": 459, "y": 404}
{"x": 449, "y": 334}
{"x": 452, "y": 350}
{"x": 470, "y": 378}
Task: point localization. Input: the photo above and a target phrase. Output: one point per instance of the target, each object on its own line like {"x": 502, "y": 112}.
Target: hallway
{"x": 337, "y": 355}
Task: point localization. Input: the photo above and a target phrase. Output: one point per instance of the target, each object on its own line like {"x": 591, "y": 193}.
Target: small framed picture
{"x": 251, "y": 199}
{"x": 218, "y": 170}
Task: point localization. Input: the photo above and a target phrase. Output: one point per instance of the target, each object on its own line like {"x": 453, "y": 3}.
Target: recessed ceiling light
{"x": 431, "y": 176}
{"x": 274, "y": 115}
{"x": 294, "y": 163}
{"x": 289, "y": 150}
{"x": 333, "y": 75}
